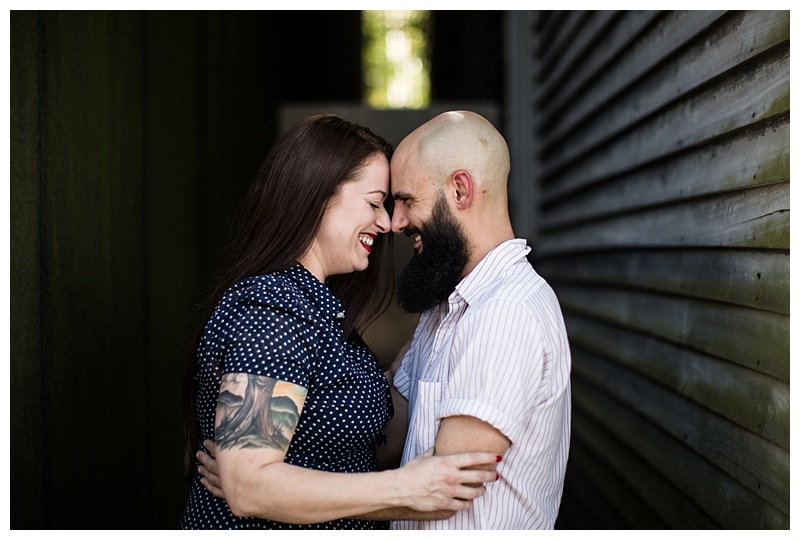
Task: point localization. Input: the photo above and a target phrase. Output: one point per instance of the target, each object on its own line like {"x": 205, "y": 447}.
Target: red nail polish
{"x": 497, "y": 477}
{"x": 499, "y": 458}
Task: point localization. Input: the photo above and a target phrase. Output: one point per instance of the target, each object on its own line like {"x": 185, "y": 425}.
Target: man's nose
{"x": 399, "y": 219}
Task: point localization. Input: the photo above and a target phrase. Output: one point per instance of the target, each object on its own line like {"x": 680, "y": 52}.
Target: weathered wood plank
{"x": 572, "y": 513}
{"x": 657, "y": 490}
{"x": 739, "y": 99}
{"x": 520, "y": 120}
{"x": 618, "y": 498}
{"x": 176, "y": 250}
{"x": 563, "y": 39}
{"x": 749, "y": 278}
{"x": 737, "y": 39}
{"x": 28, "y": 496}
{"x": 582, "y": 502}
{"x": 625, "y": 29}
{"x": 747, "y": 158}
{"x": 758, "y": 340}
{"x": 95, "y": 321}
{"x": 753, "y": 218}
{"x": 561, "y": 67}
{"x": 755, "y": 462}
{"x": 656, "y": 455}
{"x": 667, "y": 33}
{"x": 550, "y": 22}
{"x": 750, "y": 399}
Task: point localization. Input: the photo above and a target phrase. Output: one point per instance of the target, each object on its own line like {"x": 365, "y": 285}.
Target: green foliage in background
{"x": 395, "y": 59}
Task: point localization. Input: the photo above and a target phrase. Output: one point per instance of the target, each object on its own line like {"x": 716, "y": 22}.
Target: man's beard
{"x": 432, "y": 274}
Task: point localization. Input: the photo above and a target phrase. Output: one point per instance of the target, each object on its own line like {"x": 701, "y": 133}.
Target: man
{"x": 488, "y": 367}
{"x": 489, "y": 364}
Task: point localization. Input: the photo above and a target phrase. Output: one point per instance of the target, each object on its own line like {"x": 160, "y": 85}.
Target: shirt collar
{"x": 491, "y": 268}
{"x": 329, "y": 306}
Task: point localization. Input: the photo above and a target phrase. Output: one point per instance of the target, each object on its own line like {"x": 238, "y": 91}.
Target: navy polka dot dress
{"x": 286, "y": 326}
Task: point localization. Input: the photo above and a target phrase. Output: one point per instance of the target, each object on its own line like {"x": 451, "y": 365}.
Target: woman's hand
{"x": 432, "y": 483}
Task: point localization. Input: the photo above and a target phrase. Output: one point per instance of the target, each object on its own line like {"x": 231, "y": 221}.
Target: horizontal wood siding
{"x": 664, "y": 229}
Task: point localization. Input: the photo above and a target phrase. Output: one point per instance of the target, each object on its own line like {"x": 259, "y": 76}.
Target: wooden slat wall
{"x": 133, "y": 137}
{"x": 664, "y": 229}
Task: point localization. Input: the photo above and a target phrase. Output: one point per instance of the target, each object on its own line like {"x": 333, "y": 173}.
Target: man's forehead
{"x": 401, "y": 178}
{"x": 402, "y": 190}
{"x": 407, "y": 184}
{"x": 408, "y": 174}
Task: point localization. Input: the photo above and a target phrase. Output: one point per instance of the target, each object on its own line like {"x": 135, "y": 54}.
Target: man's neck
{"x": 478, "y": 253}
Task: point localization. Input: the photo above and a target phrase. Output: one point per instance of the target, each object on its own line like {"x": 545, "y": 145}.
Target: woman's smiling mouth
{"x": 367, "y": 239}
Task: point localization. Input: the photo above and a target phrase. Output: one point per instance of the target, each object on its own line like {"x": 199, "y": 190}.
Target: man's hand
{"x": 209, "y": 472}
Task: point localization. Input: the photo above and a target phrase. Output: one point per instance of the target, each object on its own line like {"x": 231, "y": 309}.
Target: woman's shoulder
{"x": 274, "y": 290}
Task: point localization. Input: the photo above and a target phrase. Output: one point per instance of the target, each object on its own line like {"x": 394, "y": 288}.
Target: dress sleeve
{"x": 498, "y": 368}
{"x": 268, "y": 334}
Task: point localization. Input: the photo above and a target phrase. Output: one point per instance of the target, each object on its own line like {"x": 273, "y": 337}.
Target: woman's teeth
{"x": 366, "y": 239}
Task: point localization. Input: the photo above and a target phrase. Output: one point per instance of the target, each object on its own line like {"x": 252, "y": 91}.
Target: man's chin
{"x": 420, "y": 289}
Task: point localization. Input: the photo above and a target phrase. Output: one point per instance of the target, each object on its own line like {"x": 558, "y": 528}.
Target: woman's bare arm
{"x": 254, "y": 425}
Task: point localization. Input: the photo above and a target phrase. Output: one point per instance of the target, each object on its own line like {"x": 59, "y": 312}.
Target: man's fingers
{"x": 215, "y": 491}
{"x": 211, "y": 447}
{"x": 212, "y": 478}
{"x": 208, "y": 462}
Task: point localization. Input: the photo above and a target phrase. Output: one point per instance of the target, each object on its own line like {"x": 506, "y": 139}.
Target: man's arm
{"x": 466, "y": 433}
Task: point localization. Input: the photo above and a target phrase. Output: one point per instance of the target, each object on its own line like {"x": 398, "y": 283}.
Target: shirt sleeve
{"x": 497, "y": 368}
{"x": 402, "y": 382}
{"x": 268, "y": 335}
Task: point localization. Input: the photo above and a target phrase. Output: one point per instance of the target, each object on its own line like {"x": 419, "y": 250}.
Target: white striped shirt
{"x": 497, "y": 351}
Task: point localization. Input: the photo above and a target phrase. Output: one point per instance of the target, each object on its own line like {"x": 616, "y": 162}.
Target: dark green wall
{"x": 664, "y": 231}
{"x": 133, "y": 136}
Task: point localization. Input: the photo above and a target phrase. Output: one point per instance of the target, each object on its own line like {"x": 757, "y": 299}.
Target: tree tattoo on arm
{"x": 259, "y": 418}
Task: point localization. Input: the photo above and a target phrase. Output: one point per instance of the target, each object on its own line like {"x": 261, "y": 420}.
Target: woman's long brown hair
{"x": 279, "y": 219}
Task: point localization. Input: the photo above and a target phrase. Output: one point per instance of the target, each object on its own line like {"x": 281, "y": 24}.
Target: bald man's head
{"x": 449, "y": 182}
{"x": 457, "y": 140}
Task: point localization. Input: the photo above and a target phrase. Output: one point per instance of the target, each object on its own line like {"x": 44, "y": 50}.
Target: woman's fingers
{"x": 467, "y": 493}
{"x": 473, "y": 459}
{"x": 448, "y": 482}
{"x": 469, "y": 459}
{"x": 478, "y": 477}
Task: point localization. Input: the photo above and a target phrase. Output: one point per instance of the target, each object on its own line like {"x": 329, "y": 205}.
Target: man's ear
{"x": 463, "y": 188}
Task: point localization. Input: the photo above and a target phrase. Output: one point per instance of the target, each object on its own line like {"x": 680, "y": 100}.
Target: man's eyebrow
{"x": 402, "y": 195}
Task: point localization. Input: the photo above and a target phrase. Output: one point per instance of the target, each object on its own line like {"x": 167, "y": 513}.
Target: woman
{"x": 281, "y": 378}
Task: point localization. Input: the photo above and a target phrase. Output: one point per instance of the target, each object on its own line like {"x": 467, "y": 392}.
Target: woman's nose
{"x": 384, "y": 222}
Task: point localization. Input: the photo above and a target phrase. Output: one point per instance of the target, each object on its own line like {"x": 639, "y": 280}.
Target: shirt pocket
{"x": 425, "y": 424}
